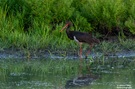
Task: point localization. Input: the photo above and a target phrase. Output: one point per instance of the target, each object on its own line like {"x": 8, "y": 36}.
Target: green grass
{"x": 118, "y": 45}
{"x": 35, "y": 25}
{"x": 109, "y": 47}
{"x": 127, "y": 44}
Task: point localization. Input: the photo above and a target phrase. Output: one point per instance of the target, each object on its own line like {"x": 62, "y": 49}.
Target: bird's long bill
{"x": 63, "y": 27}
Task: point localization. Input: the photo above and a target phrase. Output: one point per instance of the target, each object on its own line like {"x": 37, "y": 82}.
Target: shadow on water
{"x": 80, "y": 81}
{"x": 105, "y": 73}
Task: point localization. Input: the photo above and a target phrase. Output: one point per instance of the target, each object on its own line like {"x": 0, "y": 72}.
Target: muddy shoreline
{"x": 44, "y": 54}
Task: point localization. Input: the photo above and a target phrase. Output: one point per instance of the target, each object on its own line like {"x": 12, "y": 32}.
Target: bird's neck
{"x": 69, "y": 33}
{"x": 68, "y": 29}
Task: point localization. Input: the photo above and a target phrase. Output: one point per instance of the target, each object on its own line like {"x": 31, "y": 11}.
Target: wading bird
{"x": 80, "y": 37}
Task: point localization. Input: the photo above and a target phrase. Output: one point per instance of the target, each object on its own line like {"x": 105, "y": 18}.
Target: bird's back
{"x": 84, "y": 37}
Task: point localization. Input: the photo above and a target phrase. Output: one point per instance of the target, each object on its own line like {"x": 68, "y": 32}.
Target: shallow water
{"x": 48, "y": 74}
{"x": 48, "y": 55}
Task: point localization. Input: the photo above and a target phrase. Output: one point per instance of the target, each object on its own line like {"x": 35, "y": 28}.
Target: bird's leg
{"x": 88, "y": 52}
{"x": 87, "y": 56}
{"x": 80, "y": 52}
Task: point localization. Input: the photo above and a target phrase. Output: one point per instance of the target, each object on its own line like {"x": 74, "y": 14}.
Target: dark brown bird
{"x": 80, "y": 37}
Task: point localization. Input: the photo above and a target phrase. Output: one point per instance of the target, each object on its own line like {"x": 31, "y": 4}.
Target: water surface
{"x": 55, "y": 74}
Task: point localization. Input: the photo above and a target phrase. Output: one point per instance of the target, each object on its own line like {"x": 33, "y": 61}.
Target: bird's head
{"x": 68, "y": 23}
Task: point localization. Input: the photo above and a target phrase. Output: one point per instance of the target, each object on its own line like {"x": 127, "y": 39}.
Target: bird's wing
{"x": 82, "y": 37}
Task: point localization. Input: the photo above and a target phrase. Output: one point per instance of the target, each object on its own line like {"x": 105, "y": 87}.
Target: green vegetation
{"x": 35, "y": 24}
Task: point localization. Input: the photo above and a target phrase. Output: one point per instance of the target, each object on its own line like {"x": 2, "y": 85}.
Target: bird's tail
{"x": 96, "y": 41}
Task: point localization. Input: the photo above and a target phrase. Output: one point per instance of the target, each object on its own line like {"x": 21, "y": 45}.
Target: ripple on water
{"x": 33, "y": 84}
